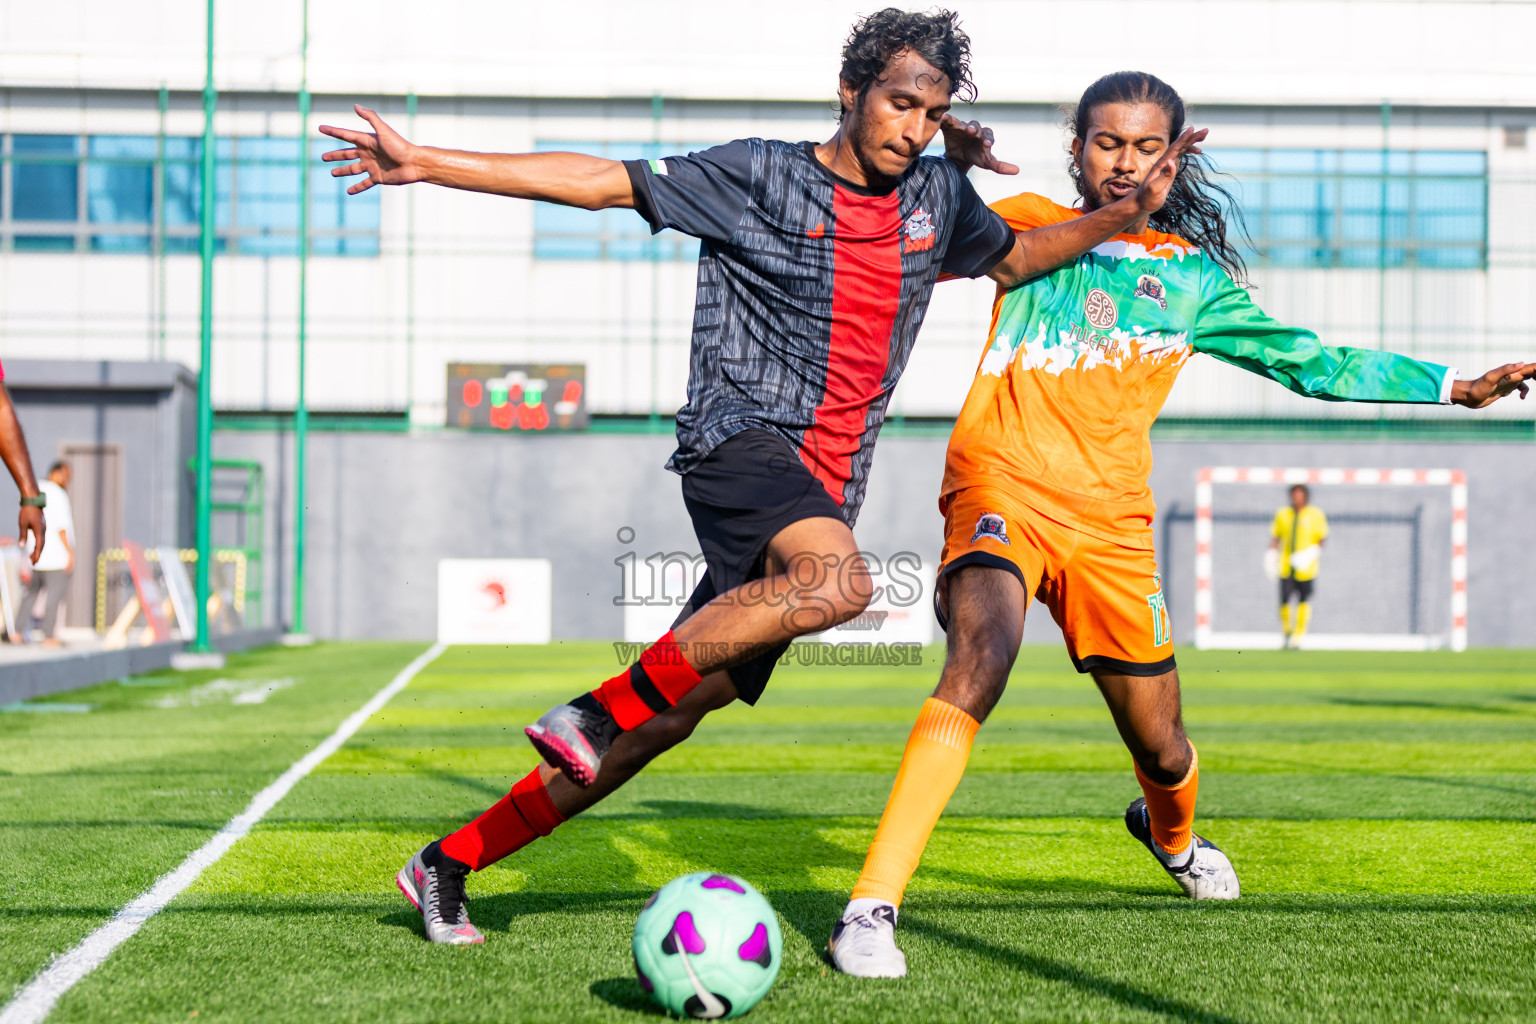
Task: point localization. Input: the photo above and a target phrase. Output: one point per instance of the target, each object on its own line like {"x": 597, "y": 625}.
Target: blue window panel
{"x": 1239, "y": 161}
{"x": 45, "y": 146}
{"x": 255, "y": 202}
{"x": 191, "y": 244}
{"x": 1292, "y": 255}
{"x": 45, "y": 178}
{"x": 1360, "y": 161}
{"x": 269, "y": 245}
{"x": 117, "y": 194}
{"x": 568, "y": 220}
{"x": 121, "y": 243}
{"x": 631, "y": 249}
{"x": 182, "y": 193}
{"x": 344, "y": 245}
{"x": 1297, "y": 161}
{"x": 133, "y": 148}
{"x": 1452, "y": 258}
{"x": 565, "y": 233}
{"x": 120, "y": 179}
{"x": 331, "y": 209}
{"x": 1439, "y": 162}
{"x": 181, "y": 147}
{"x": 268, "y": 199}
{"x": 284, "y": 151}
{"x": 1363, "y": 207}
{"x": 44, "y": 243}
{"x": 561, "y": 247}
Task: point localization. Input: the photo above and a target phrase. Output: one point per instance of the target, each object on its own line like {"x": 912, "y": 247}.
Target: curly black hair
{"x": 934, "y": 36}
{"x": 1197, "y": 208}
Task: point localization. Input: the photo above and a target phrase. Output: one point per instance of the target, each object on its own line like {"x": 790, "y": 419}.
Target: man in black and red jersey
{"x": 815, "y": 269}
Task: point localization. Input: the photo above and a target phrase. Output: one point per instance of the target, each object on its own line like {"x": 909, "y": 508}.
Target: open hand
{"x": 968, "y": 144}
{"x": 1153, "y": 192}
{"x": 383, "y": 155}
{"x": 1493, "y": 385}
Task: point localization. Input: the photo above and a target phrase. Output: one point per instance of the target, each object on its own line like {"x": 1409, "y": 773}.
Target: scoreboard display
{"x": 528, "y": 397}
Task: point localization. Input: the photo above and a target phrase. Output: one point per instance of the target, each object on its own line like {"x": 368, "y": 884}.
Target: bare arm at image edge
{"x": 13, "y": 450}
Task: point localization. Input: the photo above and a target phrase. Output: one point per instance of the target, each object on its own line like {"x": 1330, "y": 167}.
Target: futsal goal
{"x": 1392, "y": 575}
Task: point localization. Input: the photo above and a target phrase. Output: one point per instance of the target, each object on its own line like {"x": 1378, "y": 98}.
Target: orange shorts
{"x": 1106, "y": 597}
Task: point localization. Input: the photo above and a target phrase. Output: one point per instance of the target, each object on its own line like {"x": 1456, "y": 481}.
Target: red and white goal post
{"x": 1207, "y": 635}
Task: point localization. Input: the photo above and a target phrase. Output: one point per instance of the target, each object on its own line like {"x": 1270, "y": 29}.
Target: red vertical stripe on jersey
{"x": 866, "y": 292}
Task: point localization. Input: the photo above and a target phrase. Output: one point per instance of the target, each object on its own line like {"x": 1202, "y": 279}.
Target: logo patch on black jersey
{"x": 1151, "y": 287}
{"x": 918, "y": 232}
{"x": 1100, "y": 309}
{"x": 991, "y": 525}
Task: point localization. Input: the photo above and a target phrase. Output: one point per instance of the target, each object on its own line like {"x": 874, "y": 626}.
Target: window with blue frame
{"x": 568, "y": 233}
{"x": 122, "y": 193}
{"x": 1363, "y": 208}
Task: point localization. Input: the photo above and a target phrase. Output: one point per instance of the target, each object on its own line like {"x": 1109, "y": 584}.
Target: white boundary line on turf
{"x": 37, "y": 999}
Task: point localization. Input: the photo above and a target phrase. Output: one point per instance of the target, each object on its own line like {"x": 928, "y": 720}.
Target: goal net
{"x": 1392, "y": 575}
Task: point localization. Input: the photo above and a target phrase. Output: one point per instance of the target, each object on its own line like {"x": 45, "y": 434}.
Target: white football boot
{"x": 863, "y": 941}
{"x": 1205, "y": 875}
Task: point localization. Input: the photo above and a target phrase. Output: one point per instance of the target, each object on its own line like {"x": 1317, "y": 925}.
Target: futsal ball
{"x": 707, "y": 946}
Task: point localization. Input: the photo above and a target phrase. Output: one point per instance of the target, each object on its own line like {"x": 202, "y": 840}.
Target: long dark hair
{"x": 1198, "y": 209}
{"x": 934, "y": 36}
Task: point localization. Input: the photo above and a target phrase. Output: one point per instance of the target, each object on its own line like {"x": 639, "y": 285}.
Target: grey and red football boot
{"x": 1206, "y": 874}
{"x": 434, "y": 883}
{"x": 574, "y": 737}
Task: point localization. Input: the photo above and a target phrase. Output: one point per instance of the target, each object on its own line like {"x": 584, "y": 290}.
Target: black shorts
{"x": 744, "y": 492}
{"x": 1302, "y": 589}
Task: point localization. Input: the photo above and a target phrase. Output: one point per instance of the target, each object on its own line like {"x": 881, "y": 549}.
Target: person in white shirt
{"x": 52, "y": 568}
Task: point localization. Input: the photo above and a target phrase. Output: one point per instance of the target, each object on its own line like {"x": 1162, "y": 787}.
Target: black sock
{"x": 434, "y": 858}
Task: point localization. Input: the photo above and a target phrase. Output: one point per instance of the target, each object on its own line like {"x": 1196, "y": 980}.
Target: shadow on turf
{"x": 496, "y": 912}
{"x": 626, "y": 994}
{"x": 1462, "y": 783}
{"x": 1432, "y": 705}
{"x": 1066, "y": 974}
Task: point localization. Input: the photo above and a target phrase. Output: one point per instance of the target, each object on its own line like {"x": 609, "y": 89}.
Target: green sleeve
{"x": 1232, "y": 328}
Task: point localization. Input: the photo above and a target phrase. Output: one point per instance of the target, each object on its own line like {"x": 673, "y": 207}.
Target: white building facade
{"x": 1385, "y": 154}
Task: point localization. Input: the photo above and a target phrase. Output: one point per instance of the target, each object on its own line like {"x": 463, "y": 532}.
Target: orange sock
{"x": 1172, "y": 808}
{"x": 930, "y": 770}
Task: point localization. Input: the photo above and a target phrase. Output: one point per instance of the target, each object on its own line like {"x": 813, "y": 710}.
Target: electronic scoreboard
{"x": 537, "y": 397}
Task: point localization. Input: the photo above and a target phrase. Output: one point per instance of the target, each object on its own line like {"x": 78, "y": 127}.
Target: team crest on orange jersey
{"x": 919, "y": 232}
{"x": 991, "y": 525}
{"x": 1100, "y": 309}
{"x": 1148, "y": 286}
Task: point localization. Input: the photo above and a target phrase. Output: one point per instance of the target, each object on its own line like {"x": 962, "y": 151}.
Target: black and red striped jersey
{"x": 811, "y": 290}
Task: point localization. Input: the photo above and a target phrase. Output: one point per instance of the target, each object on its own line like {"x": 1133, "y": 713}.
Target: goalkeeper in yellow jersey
{"x": 1297, "y": 542}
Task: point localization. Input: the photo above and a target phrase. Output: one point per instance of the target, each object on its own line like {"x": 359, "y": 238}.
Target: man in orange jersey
{"x": 1045, "y": 488}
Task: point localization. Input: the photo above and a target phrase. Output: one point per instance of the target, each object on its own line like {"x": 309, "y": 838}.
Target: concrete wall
{"x": 384, "y": 508}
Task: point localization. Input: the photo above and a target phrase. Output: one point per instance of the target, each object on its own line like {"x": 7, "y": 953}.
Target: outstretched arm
{"x": 1233, "y": 329}
{"x": 1045, "y": 248}
{"x": 383, "y": 157}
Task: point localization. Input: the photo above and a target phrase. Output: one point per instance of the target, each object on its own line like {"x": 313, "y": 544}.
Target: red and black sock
{"x": 513, "y": 822}
{"x": 656, "y": 682}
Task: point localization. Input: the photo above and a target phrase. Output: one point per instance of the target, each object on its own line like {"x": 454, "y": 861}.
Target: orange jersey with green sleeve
{"x": 1079, "y": 362}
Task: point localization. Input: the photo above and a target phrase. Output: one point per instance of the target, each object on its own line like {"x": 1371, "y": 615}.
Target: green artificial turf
{"x": 1379, "y": 810}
